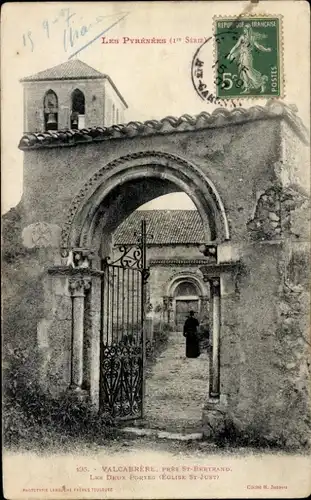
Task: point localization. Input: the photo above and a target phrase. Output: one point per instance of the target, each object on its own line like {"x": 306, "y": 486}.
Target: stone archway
{"x": 201, "y": 294}
{"x": 108, "y": 197}
{"x": 103, "y": 202}
{"x": 185, "y": 276}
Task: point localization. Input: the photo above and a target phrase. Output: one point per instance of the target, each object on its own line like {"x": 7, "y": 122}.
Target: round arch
{"x": 78, "y": 101}
{"x": 182, "y": 277}
{"x": 86, "y": 219}
{"x": 185, "y": 288}
{"x": 182, "y": 303}
{"x": 50, "y": 110}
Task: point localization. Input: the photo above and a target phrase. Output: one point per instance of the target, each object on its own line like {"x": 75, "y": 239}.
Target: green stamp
{"x": 248, "y": 57}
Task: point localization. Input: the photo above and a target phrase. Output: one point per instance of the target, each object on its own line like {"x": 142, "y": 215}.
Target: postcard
{"x": 155, "y": 252}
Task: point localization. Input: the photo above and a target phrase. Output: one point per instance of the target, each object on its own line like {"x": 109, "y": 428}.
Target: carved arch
{"x": 177, "y": 278}
{"x": 82, "y": 227}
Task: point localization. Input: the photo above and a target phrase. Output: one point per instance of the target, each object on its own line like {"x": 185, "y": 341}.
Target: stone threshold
{"x": 134, "y": 431}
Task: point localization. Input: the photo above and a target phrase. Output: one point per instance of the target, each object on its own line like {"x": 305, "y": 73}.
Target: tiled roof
{"x": 221, "y": 117}
{"x": 163, "y": 227}
{"x": 69, "y": 70}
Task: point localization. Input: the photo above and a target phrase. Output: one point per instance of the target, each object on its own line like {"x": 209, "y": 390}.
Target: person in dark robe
{"x": 191, "y": 333}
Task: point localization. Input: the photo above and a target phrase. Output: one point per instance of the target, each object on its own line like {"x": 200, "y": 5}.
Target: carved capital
{"x": 215, "y": 282}
{"x": 203, "y": 298}
{"x": 78, "y": 285}
{"x": 215, "y": 287}
{"x": 80, "y": 257}
{"x": 209, "y": 251}
{"x": 212, "y": 280}
{"x": 167, "y": 302}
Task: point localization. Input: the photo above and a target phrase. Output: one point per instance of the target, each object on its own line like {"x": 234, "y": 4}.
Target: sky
{"x": 155, "y": 79}
{"x": 173, "y": 201}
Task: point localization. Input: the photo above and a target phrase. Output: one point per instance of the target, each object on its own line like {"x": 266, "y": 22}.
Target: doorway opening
{"x": 186, "y": 300}
{"x": 174, "y": 386}
{"x": 107, "y": 200}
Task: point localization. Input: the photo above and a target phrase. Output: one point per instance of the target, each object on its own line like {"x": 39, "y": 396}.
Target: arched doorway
{"x": 186, "y": 299}
{"x": 186, "y": 291}
{"x": 109, "y": 196}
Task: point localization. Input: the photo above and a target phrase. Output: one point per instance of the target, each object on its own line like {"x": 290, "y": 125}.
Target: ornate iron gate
{"x": 123, "y": 343}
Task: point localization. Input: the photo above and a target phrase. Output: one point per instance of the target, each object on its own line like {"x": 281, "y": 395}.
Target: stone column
{"x": 77, "y": 286}
{"x": 170, "y": 311}
{"x": 214, "y": 391}
{"x": 165, "y": 308}
{"x": 221, "y": 278}
{"x": 203, "y": 305}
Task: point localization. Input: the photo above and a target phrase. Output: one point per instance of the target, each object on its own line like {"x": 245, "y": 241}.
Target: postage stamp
{"x": 248, "y": 57}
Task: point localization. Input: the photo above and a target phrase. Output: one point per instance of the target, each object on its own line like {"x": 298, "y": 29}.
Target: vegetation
{"x": 159, "y": 341}
{"x": 36, "y": 421}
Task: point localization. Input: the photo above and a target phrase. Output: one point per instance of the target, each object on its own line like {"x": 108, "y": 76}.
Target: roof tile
{"x": 220, "y": 117}
{"x": 69, "y": 70}
{"x": 164, "y": 227}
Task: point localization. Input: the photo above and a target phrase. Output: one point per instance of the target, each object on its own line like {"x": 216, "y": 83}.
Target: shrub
{"x": 159, "y": 342}
{"x": 35, "y": 420}
{"x": 12, "y": 246}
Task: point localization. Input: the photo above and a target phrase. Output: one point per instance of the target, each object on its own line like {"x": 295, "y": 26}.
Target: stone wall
{"x": 265, "y": 347}
{"x": 238, "y": 159}
{"x": 112, "y": 99}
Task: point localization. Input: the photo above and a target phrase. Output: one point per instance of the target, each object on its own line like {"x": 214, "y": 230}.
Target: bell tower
{"x": 71, "y": 96}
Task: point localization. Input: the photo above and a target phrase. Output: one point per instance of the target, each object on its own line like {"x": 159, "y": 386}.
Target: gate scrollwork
{"x": 123, "y": 343}
{"x": 129, "y": 256}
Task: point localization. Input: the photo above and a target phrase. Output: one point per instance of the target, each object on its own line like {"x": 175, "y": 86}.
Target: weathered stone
{"x": 63, "y": 307}
{"x": 274, "y": 224}
{"x": 290, "y": 366}
{"x": 273, "y": 216}
{"x": 41, "y": 234}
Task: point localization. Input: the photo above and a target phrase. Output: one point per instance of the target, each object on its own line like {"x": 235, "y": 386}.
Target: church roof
{"x": 164, "y": 227}
{"x": 72, "y": 70}
{"x": 69, "y": 70}
{"x": 220, "y": 117}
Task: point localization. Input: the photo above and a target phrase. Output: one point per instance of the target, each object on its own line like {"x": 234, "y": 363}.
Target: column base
{"x": 214, "y": 417}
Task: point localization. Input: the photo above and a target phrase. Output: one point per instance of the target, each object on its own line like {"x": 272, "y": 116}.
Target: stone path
{"x": 176, "y": 389}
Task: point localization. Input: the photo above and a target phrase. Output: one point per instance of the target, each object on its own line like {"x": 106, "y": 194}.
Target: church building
{"x": 175, "y": 285}
{"x": 72, "y": 96}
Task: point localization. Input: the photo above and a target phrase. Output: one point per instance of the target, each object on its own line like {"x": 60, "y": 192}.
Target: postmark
{"x": 201, "y": 71}
{"x": 249, "y": 62}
